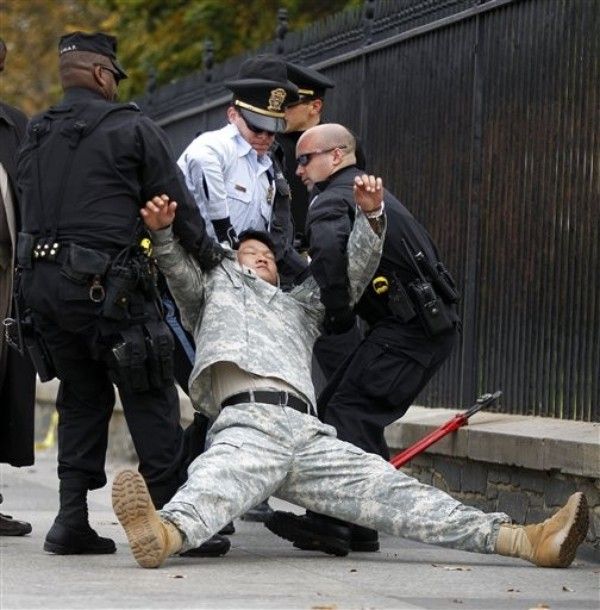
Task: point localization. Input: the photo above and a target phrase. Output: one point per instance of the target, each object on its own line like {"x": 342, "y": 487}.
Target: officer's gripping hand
{"x": 158, "y": 213}
{"x": 339, "y": 321}
{"x": 368, "y": 193}
{"x": 225, "y": 232}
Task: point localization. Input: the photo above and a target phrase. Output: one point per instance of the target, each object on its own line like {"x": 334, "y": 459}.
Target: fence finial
{"x": 281, "y": 29}
{"x": 369, "y": 14}
{"x": 151, "y": 80}
{"x": 208, "y": 59}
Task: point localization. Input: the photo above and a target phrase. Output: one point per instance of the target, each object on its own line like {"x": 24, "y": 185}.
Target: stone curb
{"x": 536, "y": 443}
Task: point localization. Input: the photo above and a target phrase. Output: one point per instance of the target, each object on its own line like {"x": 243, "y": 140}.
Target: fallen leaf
{"x": 353, "y": 570}
{"x": 328, "y": 607}
{"x": 565, "y": 588}
{"x": 177, "y": 576}
{"x": 514, "y": 590}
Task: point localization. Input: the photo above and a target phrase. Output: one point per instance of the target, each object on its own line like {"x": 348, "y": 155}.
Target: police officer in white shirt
{"x": 229, "y": 171}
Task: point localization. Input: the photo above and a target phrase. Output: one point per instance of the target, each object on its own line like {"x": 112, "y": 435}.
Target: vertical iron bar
{"x": 470, "y": 360}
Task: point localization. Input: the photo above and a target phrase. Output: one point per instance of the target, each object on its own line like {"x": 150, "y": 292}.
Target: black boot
{"x": 260, "y": 513}
{"x": 312, "y": 532}
{"x": 13, "y": 527}
{"x": 71, "y": 533}
{"x": 213, "y": 547}
{"x": 227, "y": 529}
{"x": 364, "y": 540}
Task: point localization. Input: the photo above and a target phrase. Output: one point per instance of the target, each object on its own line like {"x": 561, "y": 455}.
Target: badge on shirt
{"x": 270, "y": 193}
{"x": 239, "y": 187}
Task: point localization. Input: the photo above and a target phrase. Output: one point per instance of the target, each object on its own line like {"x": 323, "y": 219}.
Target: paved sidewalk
{"x": 262, "y": 571}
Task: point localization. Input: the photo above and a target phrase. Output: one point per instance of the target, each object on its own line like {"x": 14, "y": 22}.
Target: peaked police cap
{"x": 100, "y": 43}
{"x": 262, "y": 91}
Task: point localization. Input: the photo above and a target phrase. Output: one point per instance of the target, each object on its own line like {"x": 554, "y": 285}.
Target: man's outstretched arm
{"x": 365, "y": 243}
{"x": 182, "y": 271}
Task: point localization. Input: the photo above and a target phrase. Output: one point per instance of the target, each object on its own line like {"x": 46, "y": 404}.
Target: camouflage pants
{"x": 262, "y": 450}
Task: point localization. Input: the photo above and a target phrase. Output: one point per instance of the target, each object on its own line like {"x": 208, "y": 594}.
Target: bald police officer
{"x": 405, "y": 345}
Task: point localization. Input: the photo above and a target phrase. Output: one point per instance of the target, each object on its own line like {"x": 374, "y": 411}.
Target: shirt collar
{"x": 243, "y": 148}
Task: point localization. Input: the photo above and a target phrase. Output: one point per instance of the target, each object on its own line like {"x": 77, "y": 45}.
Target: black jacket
{"x": 17, "y": 393}
{"x": 99, "y": 162}
{"x": 330, "y": 218}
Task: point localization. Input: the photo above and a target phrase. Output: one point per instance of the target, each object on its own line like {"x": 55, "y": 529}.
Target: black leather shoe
{"x": 213, "y": 547}
{"x": 65, "y": 540}
{"x": 228, "y": 529}
{"x": 260, "y": 513}
{"x": 312, "y": 533}
{"x": 13, "y": 527}
{"x": 364, "y": 540}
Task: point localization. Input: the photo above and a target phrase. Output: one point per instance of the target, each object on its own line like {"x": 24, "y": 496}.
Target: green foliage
{"x": 31, "y": 29}
{"x": 166, "y": 36}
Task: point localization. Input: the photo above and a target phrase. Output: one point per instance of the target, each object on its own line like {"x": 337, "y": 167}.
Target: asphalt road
{"x": 263, "y": 572}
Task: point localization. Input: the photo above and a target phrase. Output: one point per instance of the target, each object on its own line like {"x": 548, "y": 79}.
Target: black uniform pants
{"x": 380, "y": 380}
{"x": 71, "y": 328}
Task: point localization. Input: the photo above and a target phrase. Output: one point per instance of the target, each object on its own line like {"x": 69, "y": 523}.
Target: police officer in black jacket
{"x": 409, "y": 308}
{"x": 90, "y": 311}
{"x": 300, "y": 115}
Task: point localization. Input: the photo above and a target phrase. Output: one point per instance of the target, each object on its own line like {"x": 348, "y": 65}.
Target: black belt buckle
{"x": 46, "y": 250}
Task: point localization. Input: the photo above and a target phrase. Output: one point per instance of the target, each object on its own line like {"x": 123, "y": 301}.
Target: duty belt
{"x": 285, "y": 399}
{"x": 49, "y": 250}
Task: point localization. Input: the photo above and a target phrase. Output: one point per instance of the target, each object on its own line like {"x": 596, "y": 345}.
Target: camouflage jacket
{"x": 237, "y": 317}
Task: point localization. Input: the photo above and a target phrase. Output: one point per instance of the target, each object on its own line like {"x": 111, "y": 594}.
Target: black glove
{"x": 339, "y": 321}
{"x": 225, "y": 231}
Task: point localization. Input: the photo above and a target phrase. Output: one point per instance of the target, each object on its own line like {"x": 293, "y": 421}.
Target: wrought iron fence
{"x": 483, "y": 117}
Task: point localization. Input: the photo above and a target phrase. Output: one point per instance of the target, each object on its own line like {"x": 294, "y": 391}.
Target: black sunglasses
{"x": 304, "y": 160}
{"x": 302, "y": 100}
{"x": 257, "y": 130}
{"x": 115, "y": 74}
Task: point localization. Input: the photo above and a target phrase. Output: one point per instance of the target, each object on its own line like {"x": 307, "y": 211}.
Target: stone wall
{"x": 527, "y": 495}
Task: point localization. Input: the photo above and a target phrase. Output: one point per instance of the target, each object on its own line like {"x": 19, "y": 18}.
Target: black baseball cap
{"x": 261, "y": 92}
{"x": 98, "y": 42}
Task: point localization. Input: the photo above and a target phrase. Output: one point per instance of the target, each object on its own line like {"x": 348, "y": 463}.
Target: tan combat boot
{"x": 551, "y": 544}
{"x": 151, "y": 538}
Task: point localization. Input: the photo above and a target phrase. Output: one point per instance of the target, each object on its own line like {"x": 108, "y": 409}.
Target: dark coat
{"x": 17, "y": 394}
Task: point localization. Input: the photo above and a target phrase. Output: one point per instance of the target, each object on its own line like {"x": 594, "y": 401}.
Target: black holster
{"x": 121, "y": 284}
{"x": 159, "y": 346}
{"x": 36, "y": 348}
{"x": 430, "y": 309}
{"x": 22, "y": 335}
{"x": 128, "y": 285}
{"x": 142, "y": 358}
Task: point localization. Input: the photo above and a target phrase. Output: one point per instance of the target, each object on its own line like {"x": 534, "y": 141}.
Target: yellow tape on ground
{"x": 50, "y": 438}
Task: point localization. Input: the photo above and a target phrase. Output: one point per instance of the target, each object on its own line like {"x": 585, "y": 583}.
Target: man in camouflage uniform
{"x": 253, "y": 375}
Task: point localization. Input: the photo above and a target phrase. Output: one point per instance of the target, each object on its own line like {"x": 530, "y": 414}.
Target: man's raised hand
{"x": 368, "y": 193}
{"x": 158, "y": 213}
